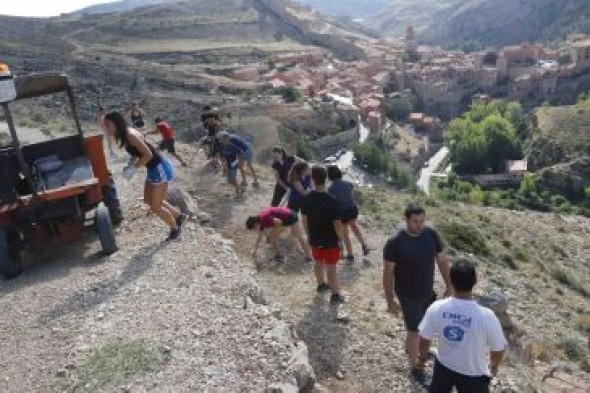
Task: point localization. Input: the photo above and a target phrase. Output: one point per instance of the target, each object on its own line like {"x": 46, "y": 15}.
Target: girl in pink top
{"x": 277, "y": 219}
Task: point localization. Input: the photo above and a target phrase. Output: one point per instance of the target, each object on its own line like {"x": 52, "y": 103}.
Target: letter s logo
{"x": 454, "y": 333}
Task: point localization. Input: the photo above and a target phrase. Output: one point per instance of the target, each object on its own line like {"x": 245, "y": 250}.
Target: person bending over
{"x": 159, "y": 171}
{"x": 471, "y": 343}
{"x": 278, "y": 219}
{"x": 343, "y": 191}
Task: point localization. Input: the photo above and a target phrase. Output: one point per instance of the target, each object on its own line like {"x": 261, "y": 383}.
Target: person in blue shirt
{"x": 230, "y": 152}
{"x": 245, "y": 155}
{"x": 343, "y": 191}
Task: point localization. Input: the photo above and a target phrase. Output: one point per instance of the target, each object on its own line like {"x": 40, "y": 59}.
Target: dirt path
{"x": 355, "y": 348}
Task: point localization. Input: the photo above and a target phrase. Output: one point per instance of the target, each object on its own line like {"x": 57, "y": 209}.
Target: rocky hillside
{"x": 504, "y": 22}
{"x": 353, "y": 9}
{"x": 560, "y": 146}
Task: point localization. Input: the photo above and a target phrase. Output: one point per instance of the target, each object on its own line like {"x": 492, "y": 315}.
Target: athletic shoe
{"x": 336, "y": 298}
{"x": 323, "y": 288}
{"x": 180, "y": 220}
{"x": 256, "y": 184}
{"x": 349, "y": 258}
{"x": 366, "y": 250}
{"x": 174, "y": 233}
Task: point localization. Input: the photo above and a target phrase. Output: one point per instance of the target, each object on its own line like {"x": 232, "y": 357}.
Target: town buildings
{"x": 443, "y": 81}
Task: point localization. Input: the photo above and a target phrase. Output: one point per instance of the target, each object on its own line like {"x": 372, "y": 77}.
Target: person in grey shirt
{"x": 343, "y": 191}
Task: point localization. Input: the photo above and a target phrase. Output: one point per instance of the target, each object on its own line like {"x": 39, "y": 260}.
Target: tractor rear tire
{"x": 111, "y": 200}
{"x": 10, "y": 260}
{"x": 105, "y": 230}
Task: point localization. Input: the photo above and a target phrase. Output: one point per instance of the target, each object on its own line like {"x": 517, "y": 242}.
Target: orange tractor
{"x": 55, "y": 189}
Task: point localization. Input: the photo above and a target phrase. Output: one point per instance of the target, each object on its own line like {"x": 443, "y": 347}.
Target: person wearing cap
{"x": 168, "y": 142}
{"x": 245, "y": 155}
{"x": 230, "y": 153}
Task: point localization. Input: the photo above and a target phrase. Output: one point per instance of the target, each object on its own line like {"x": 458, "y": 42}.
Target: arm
{"x": 257, "y": 244}
{"x": 137, "y": 142}
{"x": 305, "y": 224}
{"x": 338, "y": 227}
{"x": 496, "y": 357}
{"x": 424, "y": 348}
{"x": 299, "y": 187}
{"x": 388, "y": 277}
{"x": 444, "y": 268}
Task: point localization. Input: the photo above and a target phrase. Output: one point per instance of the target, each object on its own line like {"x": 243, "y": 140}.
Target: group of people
{"x": 471, "y": 343}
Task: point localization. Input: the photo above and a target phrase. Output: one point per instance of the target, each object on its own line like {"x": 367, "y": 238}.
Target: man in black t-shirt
{"x": 321, "y": 220}
{"x": 408, "y": 268}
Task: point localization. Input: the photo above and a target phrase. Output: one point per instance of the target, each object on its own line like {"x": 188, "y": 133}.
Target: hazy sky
{"x": 44, "y": 7}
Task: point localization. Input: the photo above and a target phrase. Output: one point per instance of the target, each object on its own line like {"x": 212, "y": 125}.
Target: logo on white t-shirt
{"x": 455, "y": 332}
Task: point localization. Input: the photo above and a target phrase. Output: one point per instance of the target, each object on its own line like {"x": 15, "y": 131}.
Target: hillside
{"x": 560, "y": 146}
{"x": 487, "y": 22}
{"x": 353, "y": 9}
{"x": 119, "y": 6}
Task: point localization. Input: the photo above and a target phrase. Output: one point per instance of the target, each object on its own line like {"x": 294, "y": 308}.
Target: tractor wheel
{"x": 10, "y": 261}
{"x": 105, "y": 230}
{"x": 111, "y": 200}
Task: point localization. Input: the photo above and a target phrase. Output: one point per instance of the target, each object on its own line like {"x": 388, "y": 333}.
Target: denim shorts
{"x": 161, "y": 173}
{"x": 247, "y": 156}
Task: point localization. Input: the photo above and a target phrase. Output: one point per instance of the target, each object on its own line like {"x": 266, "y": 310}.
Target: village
{"x": 443, "y": 82}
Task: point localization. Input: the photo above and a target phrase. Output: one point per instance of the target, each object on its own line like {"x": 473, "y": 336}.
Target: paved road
{"x": 423, "y": 182}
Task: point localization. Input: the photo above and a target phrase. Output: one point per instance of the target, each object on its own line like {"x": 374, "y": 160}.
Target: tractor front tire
{"x": 10, "y": 261}
{"x": 105, "y": 230}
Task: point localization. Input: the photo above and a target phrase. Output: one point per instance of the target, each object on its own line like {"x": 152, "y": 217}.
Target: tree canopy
{"x": 486, "y": 136}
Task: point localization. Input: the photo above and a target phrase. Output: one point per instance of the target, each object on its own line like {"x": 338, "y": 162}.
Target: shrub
{"x": 303, "y": 149}
{"x": 464, "y": 237}
{"x": 583, "y": 323}
{"x": 565, "y": 278}
{"x": 291, "y": 94}
{"x": 573, "y": 348}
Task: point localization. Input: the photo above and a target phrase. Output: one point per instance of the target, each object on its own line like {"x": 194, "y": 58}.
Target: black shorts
{"x": 414, "y": 309}
{"x": 349, "y": 215}
{"x": 294, "y": 205}
{"x": 291, "y": 220}
{"x": 444, "y": 379}
{"x": 168, "y": 145}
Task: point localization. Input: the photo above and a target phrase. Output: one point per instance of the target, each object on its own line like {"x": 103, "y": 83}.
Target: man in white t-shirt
{"x": 471, "y": 341}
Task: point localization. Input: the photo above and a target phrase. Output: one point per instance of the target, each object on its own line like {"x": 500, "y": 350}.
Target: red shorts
{"x": 327, "y": 256}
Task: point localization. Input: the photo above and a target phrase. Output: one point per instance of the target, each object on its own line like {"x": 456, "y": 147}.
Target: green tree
{"x": 528, "y": 185}
{"x": 501, "y": 141}
{"x": 291, "y": 94}
{"x": 303, "y": 149}
{"x": 468, "y": 147}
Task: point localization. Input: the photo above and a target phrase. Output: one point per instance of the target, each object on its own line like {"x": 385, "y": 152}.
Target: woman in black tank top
{"x": 160, "y": 171}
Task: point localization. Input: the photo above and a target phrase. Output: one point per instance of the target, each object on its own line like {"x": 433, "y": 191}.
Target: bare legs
{"x": 329, "y": 273}
{"x": 353, "y": 226}
{"x": 154, "y": 196}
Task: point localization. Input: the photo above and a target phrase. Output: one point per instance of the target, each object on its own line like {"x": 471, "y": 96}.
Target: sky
{"x": 44, "y": 7}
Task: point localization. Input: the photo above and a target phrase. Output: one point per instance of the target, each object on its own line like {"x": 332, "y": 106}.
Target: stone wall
{"x": 330, "y": 144}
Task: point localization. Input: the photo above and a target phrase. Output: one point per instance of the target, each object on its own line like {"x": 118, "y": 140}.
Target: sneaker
{"x": 366, "y": 250}
{"x": 349, "y": 258}
{"x": 323, "y": 288}
{"x": 174, "y": 234}
{"x": 420, "y": 376}
{"x": 336, "y": 298}
{"x": 256, "y": 184}
{"x": 279, "y": 258}
{"x": 180, "y": 220}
